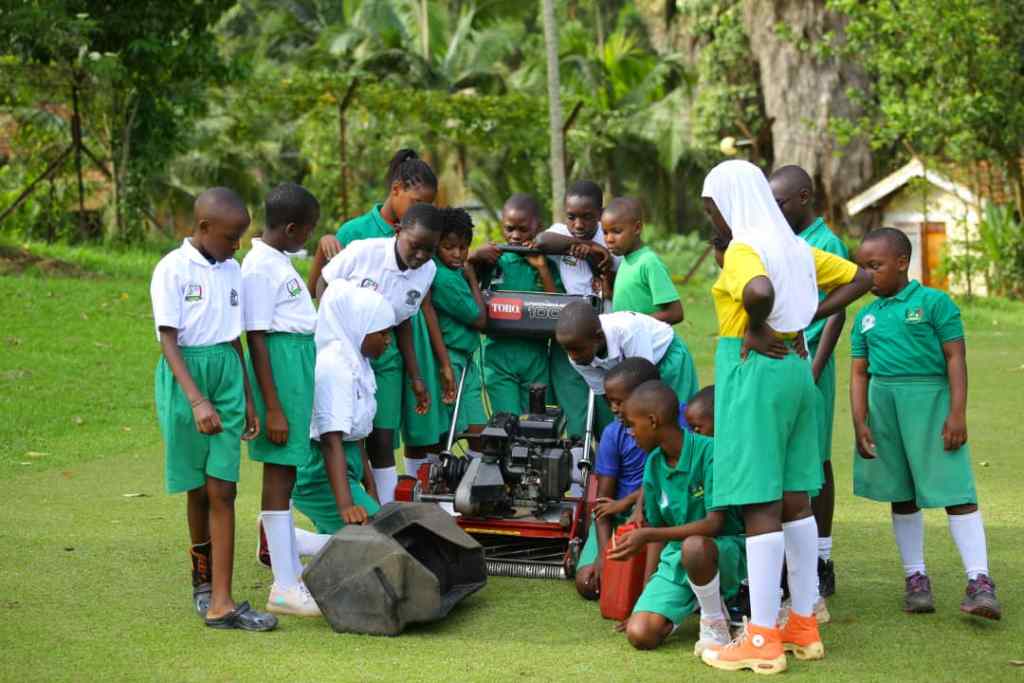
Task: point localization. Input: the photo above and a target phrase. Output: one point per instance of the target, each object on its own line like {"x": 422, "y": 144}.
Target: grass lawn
{"x": 97, "y": 582}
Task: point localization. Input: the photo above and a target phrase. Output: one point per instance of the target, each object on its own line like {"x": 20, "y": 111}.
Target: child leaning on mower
{"x": 203, "y": 399}
{"x": 908, "y": 387}
{"x": 703, "y": 560}
{"x": 279, "y": 321}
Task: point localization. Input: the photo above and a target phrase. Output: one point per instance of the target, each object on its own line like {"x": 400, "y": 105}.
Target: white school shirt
{"x": 577, "y": 276}
{"x": 626, "y": 334}
{"x": 274, "y": 297}
{"x": 201, "y": 300}
{"x": 372, "y": 263}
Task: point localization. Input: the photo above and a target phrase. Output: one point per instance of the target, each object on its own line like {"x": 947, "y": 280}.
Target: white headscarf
{"x": 348, "y": 313}
{"x": 744, "y": 198}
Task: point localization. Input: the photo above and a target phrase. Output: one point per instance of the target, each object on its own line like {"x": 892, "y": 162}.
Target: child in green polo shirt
{"x": 642, "y": 283}
{"x": 461, "y": 314}
{"x": 703, "y": 560}
{"x": 793, "y": 190}
{"x": 511, "y": 365}
{"x": 908, "y": 389}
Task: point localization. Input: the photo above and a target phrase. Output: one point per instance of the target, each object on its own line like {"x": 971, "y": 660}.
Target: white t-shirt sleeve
{"x": 166, "y": 296}
{"x": 259, "y": 297}
{"x": 559, "y": 229}
{"x": 333, "y": 395}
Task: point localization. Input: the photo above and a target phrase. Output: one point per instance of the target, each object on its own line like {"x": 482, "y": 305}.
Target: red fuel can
{"x": 622, "y": 581}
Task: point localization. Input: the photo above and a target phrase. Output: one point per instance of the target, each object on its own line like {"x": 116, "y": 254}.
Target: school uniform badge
{"x": 867, "y": 323}
{"x": 193, "y": 293}
{"x": 411, "y": 297}
{"x": 294, "y": 288}
{"x": 914, "y": 315}
{"x": 368, "y": 283}
{"x": 234, "y": 297}
{"x": 569, "y": 260}
{"x": 697, "y": 491}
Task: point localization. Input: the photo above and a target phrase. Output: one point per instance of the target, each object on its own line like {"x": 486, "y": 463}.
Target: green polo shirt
{"x": 642, "y": 283}
{"x": 818, "y": 235}
{"x": 371, "y": 224}
{"x": 456, "y": 309}
{"x": 674, "y": 496}
{"x": 902, "y": 335}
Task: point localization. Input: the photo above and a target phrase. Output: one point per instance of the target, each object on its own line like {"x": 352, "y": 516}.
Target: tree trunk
{"x": 554, "y": 111}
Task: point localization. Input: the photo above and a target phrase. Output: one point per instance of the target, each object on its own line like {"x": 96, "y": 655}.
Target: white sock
{"x": 825, "y": 548}
{"x": 412, "y": 465}
{"x": 294, "y": 544}
{"x": 909, "y": 532}
{"x": 386, "y": 478}
{"x": 277, "y": 525}
{"x": 969, "y": 535}
{"x": 710, "y": 598}
{"x": 801, "y": 538}
{"x": 764, "y": 569}
{"x": 308, "y": 543}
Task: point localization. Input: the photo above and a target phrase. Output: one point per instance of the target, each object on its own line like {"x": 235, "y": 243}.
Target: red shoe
{"x": 800, "y": 636}
{"x": 756, "y": 648}
{"x": 262, "y": 549}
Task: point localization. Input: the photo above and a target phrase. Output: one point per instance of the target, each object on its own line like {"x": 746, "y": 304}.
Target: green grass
{"x": 97, "y": 584}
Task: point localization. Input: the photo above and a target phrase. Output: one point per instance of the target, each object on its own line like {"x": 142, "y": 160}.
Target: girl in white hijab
{"x": 336, "y": 486}
{"x": 766, "y": 443}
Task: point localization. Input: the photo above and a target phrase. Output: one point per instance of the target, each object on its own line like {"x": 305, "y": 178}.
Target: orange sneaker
{"x": 800, "y": 636}
{"x": 756, "y": 648}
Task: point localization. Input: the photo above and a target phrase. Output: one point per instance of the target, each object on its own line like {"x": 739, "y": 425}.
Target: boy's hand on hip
{"x": 419, "y": 390}
{"x": 865, "y": 442}
{"x": 762, "y": 339}
{"x": 448, "y": 386}
{"x": 355, "y": 514}
{"x": 329, "y": 246}
{"x": 206, "y": 417}
{"x": 277, "y": 427}
{"x": 252, "y": 422}
{"x": 954, "y": 431}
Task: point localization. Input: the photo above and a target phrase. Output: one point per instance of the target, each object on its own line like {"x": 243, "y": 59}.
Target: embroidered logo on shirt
{"x": 697, "y": 491}
{"x": 368, "y": 283}
{"x": 193, "y": 293}
{"x": 411, "y": 297}
{"x": 867, "y": 323}
{"x": 234, "y": 297}
{"x": 569, "y": 260}
{"x": 294, "y": 288}
{"x": 914, "y": 315}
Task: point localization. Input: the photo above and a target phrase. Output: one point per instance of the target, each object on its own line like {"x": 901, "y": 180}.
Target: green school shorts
{"x": 669, "y": 594}
{"x": 570, "y": 391}
{"x": 588, "y": 555}
{"x": 423, "y": 430}
{"x": 826, "y": 386}
{"x": 471, "y": 412}
{"x": 314, "y": 497}
{"x": 678, "y": 371}
{"x": 906, "y": 415}
{"x": 292, "y": 361}
{"x": 510, "y": 367}
{"x": 766, "y": 427}
{"x": 191, "y": 457}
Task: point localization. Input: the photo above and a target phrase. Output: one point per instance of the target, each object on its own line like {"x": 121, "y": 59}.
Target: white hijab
{"x": 347, "y": 314}
{"x": 744, "y": 198}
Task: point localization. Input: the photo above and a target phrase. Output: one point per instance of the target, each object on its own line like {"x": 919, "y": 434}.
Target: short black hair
{"x": 793, "y": 177}
{"x": 588, "y": 189}
{"x": 458, "y": 222}
{"x": 703, "y": 399}
{"x": 425, "y": 216}
{"x": 577, "y": 320}
{"x": 522, "y": 201}
{"x": 290, "y": 203}
{"x": 634, "y": 371}
{"x": 656, "y": 398}
{"x": 896, "y": 239}
{"x": 407, "y": 168}
{"x": 625, "y": 207}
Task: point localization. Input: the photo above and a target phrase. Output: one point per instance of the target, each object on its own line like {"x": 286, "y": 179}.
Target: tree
{"x": 557, "y": 136}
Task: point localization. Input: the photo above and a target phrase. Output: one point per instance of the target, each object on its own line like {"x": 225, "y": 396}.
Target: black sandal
{"x": 244, "y": 617}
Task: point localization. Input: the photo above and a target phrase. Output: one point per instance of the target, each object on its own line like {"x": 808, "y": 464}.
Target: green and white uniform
{"x": 202, "y": 301}
{"x": 674, "y": 496}
{"x": 642, "y": 283}
{"x": 820, "y": 237}
{"x": 901, "y": 337}
{"x": 313, "y": 497}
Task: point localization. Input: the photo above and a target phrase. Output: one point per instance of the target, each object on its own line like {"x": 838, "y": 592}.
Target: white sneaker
{"x": 821, "y": 612}
{"x": 295, "y": 601}
{"x": 713, "y": 632}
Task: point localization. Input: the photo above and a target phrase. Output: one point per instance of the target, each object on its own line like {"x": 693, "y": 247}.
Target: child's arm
{"x": 327, "y": 248}
{"x": 859, "y": 407}
{"x": 369, "y": 483}
{"x": 337, "y": 475}
{"x": 252, "y": 423}
{"x": 758, "y": 299}
{"x": 206, "y": 416}
{"x": 474, "y": 288}
{"x": 844, "y": 295}
{"x": 827, "y": 342}
{"x": 603, "y": 523}
{"x": 539, "y": 262}
{"x": 607, "y": 506}
{"x": 954, "y": 430}
{"x": 632, "y": 542}
{"x": 277, "y": 423}
{"x": 662, "y": 291}
{"x": 671, "y": 313}
{"x": 403, "y": 334}
{"x": 440, "y": 350}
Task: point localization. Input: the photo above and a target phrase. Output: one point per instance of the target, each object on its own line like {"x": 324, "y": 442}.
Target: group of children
{"x": 728, "y": 484}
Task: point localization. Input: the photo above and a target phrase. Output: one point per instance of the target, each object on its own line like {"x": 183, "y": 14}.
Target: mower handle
{"x": 517, "y": 249}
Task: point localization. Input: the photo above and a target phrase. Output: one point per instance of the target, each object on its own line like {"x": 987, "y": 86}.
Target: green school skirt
{"x": 423, "y": 430}
{"x": 906, "y": 415}
{"x": 471, "y": 412}
{"x": 389, "y": 372}
{"x": 510, "y": 367}
{"x": 669, "y": 594}
{"x": 292, "y": 361}
{"x": 189, "y": 456}
{"x": 766, "y": 427}
{"x": 313, "y": 495}
{"x": 826, "y": 386}
{"x": 570, "y": 391}
{"x": 678, "y": 371}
